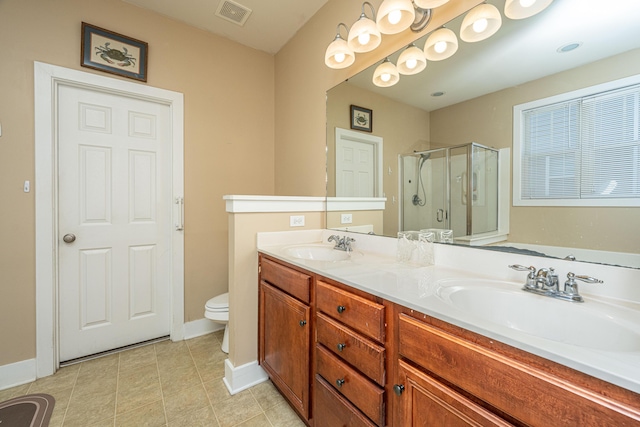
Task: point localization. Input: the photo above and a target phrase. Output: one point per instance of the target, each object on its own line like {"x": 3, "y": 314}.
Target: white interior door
{"x": 114, "y": 202}
{"x": 358, "y": 164}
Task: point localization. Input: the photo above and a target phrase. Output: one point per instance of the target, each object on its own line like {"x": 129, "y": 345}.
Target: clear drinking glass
{"x": 425, "y": 247}
{"x": 445, "y": 236}
{"x": 407, "y": 241}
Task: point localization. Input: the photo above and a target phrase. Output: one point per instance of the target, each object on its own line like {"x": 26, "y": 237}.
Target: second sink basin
{"x": 591, "y": 324}
{"x": 317, "y": 252}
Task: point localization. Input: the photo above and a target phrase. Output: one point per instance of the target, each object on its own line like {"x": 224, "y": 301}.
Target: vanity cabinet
{"x": 285, "y": 331}
{"x": 349, "y": 354}
{"x": 473, "y": 380}
{"x": 344, "y": 357}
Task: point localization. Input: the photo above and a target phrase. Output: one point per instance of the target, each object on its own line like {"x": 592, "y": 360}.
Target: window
{"x": 580, "y": 148}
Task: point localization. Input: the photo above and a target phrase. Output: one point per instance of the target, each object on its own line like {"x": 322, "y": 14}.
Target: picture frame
{"x": 113, "y": 53}
{"x": 361, "y": 118}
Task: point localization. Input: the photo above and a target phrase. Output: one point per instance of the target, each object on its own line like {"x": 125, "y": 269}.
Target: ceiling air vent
{"x": 233, "y": 12}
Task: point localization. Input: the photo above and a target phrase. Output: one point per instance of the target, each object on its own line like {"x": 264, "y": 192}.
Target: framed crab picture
{"x": 113, "y": 53}
{"x": 361, "y": 118}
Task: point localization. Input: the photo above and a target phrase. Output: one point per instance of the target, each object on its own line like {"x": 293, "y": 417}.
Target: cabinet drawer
{"x": 535, "y": 397}
{"x": 333, "y": 410}
{"x": 362, "y": 393}
{"x": 359, "y": 351}
{"x": 356, "y": 312}
{"x": 291, "y": 281}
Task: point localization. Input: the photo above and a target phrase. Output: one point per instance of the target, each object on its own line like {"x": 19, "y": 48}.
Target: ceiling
{"x": 271, "y": 24}
{"x": 521, "y": 51}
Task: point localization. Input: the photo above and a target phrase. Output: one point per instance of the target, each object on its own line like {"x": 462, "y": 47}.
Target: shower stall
{"x": 450, "y": 188}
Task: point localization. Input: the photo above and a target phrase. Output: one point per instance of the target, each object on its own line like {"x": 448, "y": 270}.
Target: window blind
{"x": 584, "y": 148}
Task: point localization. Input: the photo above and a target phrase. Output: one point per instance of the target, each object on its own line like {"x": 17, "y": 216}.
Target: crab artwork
{"x": 361, "y": 119}
{"x": 115, "y": 56}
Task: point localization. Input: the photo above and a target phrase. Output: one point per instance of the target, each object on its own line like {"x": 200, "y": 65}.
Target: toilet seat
{"x": 218, "y": 304}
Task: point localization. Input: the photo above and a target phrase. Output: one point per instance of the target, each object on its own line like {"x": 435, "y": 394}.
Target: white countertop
{"x": 373, "y": 269}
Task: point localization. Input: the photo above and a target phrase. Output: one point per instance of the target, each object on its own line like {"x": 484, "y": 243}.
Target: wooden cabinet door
{"x": 424, "y": 401}
{"x": 285, "y": 344}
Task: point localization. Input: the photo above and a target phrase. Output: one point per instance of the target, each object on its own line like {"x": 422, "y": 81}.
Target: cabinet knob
{"x": 341, "y": 346}
{"x": 398, "y": 389}
{"x": 303, "y": 322}
{"x": 341, "y": 308}
{"x": 340, "y": 382}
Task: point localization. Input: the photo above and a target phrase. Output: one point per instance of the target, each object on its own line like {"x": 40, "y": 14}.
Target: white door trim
{"x": 47, "y": 79}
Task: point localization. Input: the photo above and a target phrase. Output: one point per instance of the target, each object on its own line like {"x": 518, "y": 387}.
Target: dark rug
{"x": 33, "y": 410}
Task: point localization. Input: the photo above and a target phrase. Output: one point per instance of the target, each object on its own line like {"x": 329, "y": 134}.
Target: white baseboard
{"x": 201, "y": 327}
{"x": 242, "y": 377}
{"x": 15, "y": 374}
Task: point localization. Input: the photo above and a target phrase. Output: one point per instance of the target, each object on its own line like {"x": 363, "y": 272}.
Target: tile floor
{"x": 164, "y": 384}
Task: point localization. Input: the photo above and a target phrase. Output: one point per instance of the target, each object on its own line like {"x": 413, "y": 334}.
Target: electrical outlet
{"x": 346, "y": 218}
{"x": 296, "y": 221}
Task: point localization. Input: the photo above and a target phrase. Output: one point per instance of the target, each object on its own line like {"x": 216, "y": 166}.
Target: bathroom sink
{"x": 592, "y": 324}
{"x": 317, "y": 252}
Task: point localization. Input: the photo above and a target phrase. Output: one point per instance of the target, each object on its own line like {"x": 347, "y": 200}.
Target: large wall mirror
{"x": 427, "y": 119}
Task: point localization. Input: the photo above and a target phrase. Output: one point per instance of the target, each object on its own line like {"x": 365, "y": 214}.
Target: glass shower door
{"x": 424, "y": 198}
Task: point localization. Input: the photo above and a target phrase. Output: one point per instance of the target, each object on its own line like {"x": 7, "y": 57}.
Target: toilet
{"x": 217, "y": 309}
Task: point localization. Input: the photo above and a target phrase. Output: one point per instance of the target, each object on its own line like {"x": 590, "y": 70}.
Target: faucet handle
{"x": 586, "y": 279}
{"x": 531, "y": 277}
{"x": 571, "y": 286}
{"x": 518, "y": 267}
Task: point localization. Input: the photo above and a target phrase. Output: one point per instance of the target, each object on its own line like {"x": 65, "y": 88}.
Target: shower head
{"x": 425, "y": 156}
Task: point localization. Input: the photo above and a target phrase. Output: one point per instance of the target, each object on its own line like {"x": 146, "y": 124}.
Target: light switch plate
{"x": 296, "y": 221}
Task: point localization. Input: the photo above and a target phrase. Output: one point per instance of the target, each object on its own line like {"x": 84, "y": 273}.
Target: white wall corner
{"x": 240, "y": 378}
{"x": 15, "y": 374}
{"x": 200, "y": 327}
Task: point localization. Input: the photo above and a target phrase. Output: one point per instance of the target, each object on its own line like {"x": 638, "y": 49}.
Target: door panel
{"x": 115, "y": 197}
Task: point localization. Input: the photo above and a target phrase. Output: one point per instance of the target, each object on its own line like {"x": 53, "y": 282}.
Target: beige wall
{"x": 243, "y": 277}
{"x": 402, "y": 127}
{"x": 488, "y": 120}
{"x": 302, "y": 80}
{"x": 224, "y": 84}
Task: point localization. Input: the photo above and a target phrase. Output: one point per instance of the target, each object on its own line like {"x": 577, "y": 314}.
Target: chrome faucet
{"x": 342, "y": 243}
{"x": 545, "y": 282}
{"x": 547, "y": 279}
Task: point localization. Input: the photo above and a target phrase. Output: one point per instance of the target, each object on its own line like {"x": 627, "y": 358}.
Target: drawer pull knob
{"x": 340, "y": 382}
{"x": 341, "y": 346}
{"x": 341, "y": 308}
{"x": 398, "y": 389}
{"x": 303, "y": 322}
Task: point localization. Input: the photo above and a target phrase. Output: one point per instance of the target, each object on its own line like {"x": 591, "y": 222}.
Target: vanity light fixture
{"x": 364, "y": 35}
{"x": 338, "y": 54}
{"x": 441, "y": 44}
{"x": 521, "y": 9}
{"x": 411, "y": 60}
{"x": 480, "y": 23}
{"x": 395, "y": 16}
{"x": 385, "y": 74}
{"x": 429, "y": 4}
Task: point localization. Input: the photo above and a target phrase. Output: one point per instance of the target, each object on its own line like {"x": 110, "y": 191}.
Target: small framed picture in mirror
{"x": 361, "y": 118}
